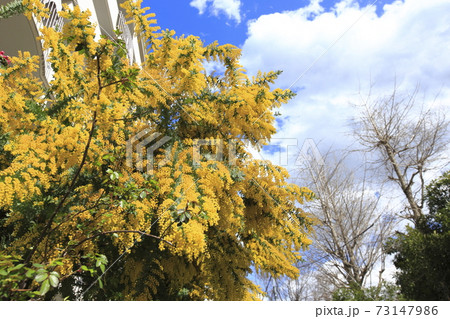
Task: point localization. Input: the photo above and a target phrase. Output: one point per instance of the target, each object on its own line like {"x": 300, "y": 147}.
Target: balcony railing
{"x": 56, "y": 22}
{"x": 126, "y": 34}
{"x": 53, "y": 21}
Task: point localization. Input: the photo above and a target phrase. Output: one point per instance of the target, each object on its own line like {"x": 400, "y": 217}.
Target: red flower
{"x": 4, "y": 59}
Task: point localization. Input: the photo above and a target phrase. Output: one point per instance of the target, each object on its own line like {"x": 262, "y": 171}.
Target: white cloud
{"x": 199, "y": 4}
{"x": 343, "y": 51}
{"x": 333, "y": 55}
{"x": 231, "y": 8}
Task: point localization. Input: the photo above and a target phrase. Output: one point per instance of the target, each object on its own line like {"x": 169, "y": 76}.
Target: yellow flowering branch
{"x": 72, "y": 247}
{"x": 47, "y": 227}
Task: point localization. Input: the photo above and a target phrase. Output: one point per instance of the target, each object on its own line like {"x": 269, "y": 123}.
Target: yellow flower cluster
{"x": 65, "y": 176}
{"x": 142, "y": 21}
{"x": 35, "y": 7}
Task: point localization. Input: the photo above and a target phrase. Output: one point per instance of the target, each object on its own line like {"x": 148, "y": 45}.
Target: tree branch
{"x": 114, "y": 232}
{"x": 66, "y": 195}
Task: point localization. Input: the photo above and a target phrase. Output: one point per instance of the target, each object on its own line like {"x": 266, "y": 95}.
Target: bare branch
{"x": 406, "y": 140}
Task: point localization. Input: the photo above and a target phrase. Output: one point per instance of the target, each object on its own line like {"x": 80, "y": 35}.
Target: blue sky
{"x": 332, "y": 53}
{"x": 210, "y": 26}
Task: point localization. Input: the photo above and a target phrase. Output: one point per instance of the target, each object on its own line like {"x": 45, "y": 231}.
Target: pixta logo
{"x": 148, "y": 146}
{"x": 145, "y": 144}
{"x": 309, "y": 154}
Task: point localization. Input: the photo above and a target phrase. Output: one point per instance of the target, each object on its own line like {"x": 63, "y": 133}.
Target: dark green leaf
{"x": 30, "y": 273}
{"x": 54, "y": 281}
{"x": 41, "y": 277}
{"x": 17, "y": 267}
{"x": 44, "y": 287}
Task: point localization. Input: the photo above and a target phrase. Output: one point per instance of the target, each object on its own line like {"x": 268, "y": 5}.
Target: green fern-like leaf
{"x": 11, "y": 9}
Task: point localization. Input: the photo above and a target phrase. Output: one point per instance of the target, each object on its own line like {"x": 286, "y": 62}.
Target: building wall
{"x": 106, "y": 14}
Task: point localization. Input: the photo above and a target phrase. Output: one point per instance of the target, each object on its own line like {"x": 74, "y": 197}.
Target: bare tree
{"x": 350, "y": 230}
{"x": 304, "y": 288}
{"x": 406, "y": 140}
{"x": 351, "y": 225}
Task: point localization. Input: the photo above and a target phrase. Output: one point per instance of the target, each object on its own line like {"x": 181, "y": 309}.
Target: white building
{"x": 20, "y": 34}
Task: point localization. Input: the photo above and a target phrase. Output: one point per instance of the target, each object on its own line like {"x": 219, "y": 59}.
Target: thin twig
{"x": 115, "y": 232}
{"x": 44, "y": 232}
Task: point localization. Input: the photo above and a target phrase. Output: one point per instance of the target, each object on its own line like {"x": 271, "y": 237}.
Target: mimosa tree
{"x": 75, "y": 219}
